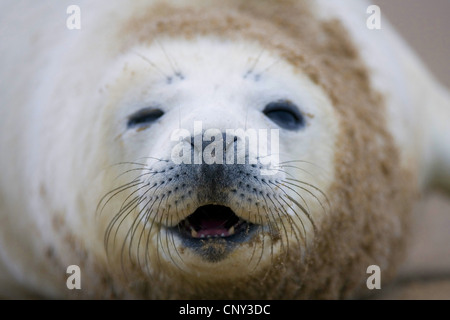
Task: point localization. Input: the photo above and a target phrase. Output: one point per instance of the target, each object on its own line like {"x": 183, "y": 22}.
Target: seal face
{"x": 209, "y": 170}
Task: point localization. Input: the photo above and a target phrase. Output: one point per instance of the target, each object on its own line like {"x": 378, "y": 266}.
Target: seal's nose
{"x": 213, "y": 148}
{"x": 203, "y": 141}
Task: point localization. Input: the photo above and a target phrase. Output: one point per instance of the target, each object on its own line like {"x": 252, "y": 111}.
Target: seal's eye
{"x": 144, "y": 117}
{"x": 285, "y": 114}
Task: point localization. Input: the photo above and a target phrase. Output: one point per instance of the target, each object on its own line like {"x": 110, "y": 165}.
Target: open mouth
{"x": 213, "y": 221}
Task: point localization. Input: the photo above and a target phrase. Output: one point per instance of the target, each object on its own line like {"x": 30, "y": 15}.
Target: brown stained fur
{"x": 371, "y": 195}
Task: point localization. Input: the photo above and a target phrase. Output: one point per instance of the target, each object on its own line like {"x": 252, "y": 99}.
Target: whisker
{"x": 263, "y": 240}
{"x": 158, "y": 238}
{"x": 270, "y": 226}
{"x": 172, "y": 62}
{"x": 172, "y": 236}
{"x": 280, "y": 219}
{"x": 306, "y": 162}
{"x": 148, "y": 214}
{"x": 129, "y": 209}
{"x": 152, "y": 64}
{"x": 135, "y": 169}
{"x": 295, "y": 227}
{"x": 115, "y": 192}
{"x": 296, "y": 214}
{"x": 112, "y": 223}
{"x": 312, "y": 194}
{"x": 255, "y": 63}
{"x": 139, "y": 217}
{"x": 173, "y": 242}
{"x": 278, "y": 60}
{"x": 307, "y": 184}
{"x": 304, "y": 211}
{"x": 295, "y": 191}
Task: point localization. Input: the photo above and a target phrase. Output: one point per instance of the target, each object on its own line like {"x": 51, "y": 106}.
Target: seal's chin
{"x": 214, "y": 221}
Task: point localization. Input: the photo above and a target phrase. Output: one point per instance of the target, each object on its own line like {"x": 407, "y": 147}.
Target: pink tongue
{"x": 212, "y": 228}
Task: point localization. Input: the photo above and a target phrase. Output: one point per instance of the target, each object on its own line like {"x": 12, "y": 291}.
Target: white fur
{"x": 418, "y": 106}
{"x": 62, "y": 142}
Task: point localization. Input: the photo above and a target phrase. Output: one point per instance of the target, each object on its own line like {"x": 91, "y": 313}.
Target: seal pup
{"x": 115, "y": 149}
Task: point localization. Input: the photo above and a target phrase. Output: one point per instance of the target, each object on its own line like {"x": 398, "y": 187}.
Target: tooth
{"x": 202, "y": 236}
{"x": 231, "y": 230}
{"x": 222, "y": 235}
{"x": 193, "y": 233}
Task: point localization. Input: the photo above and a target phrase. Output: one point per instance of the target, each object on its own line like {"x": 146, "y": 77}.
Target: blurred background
{"x": 425, "y": 25}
